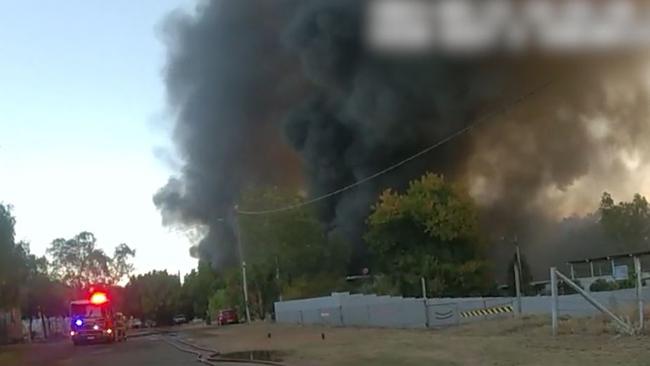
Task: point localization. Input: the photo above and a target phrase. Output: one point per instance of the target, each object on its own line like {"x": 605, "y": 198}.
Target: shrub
{"x": 603, "y": 285}
{"x": 565, "y": 289}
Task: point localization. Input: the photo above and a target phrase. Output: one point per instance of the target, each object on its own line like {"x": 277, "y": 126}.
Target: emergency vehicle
{"x": 93, "y": 320}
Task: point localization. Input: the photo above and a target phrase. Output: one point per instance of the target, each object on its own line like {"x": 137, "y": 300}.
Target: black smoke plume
{"x": 264, "y": 90}
{"x": 229, "y": 84}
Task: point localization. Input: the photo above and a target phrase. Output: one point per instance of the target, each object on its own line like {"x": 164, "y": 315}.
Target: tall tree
{"x": 286, "y": 249}
{"x": 79, "y": 263}
{"x": 627, "y": 224}
{"x": 39, "y": 295}
{"x": 120, "y": 264}
{"x": 198, "y": 286}
{"x": 229, "y": 295}
{"x": 12, "y": 269}
{"x": 430, "y": 231}
{"x": 154, "y": 295}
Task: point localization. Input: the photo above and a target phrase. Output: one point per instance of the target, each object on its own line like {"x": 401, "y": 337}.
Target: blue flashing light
{"x": 78, "y": 322}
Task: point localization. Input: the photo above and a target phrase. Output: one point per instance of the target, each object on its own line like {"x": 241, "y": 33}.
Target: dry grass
{"x": 498, "y": 342}
{"x": 8, "y": 357}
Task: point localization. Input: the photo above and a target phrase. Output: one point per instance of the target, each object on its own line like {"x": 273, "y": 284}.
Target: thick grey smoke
{"x": 370, "y": 111}
{"x": 241, "y": 74}
{"x": 229, "y": 83}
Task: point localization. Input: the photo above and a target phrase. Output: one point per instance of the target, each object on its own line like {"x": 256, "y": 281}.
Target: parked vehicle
{"x": 150, "y": 323}
{"x": 135, "y": 323}
{"x": 227, "y": 316}
{"x": 180, "y": 319}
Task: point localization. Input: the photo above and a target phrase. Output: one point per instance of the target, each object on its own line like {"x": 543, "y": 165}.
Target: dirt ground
{"x": 497, "y": 342}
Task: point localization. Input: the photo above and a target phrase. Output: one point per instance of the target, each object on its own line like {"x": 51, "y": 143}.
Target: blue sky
{"x": 82, "y": 111}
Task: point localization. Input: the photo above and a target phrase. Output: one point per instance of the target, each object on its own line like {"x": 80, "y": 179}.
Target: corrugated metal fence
{"x": 344, "y": 309}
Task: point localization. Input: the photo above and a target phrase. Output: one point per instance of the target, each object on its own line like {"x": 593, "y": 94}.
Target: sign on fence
{"x": 620, "y": 272}
{"x": 440, "y": 315}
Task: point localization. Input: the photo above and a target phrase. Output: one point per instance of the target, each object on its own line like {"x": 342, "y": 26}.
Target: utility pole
{"x": 518, "y": 289}
{"x": 277, "y": 277}
{"x": 517, "y": 254}
{"x": 423, "y": 283}
{"x": 518, "y": 275}
{"x": 554, "y": 301}
{"x": 243, "y": 263}
{"x": 639, "y": 297}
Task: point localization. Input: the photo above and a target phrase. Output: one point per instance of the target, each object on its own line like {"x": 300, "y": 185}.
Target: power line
{"x": 452, "y": 136}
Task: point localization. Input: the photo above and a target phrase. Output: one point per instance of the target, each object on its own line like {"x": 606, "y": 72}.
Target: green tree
{"x": 287, "y": 249}
{"x": 12, "y": 268}
{"x": 40, "y": 296}
{"x": 626, "y": 223}
{"x": 120, "y": 264}
{"x": 430, "y": 231}
{"x": 220, "y": 300}
{"x": 24, "y": 280}
{"x": 198, "y": 286}
{"x": 79, "y": 263}
{"x": 154, "y": 295}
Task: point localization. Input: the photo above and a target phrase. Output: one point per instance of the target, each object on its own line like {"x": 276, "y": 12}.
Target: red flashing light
{"x": 98, "y": 298}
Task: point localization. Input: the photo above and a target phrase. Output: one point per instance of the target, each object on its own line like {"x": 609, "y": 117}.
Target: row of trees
{"x": 626, "y": 224}
{"x": 288, "y": 255}
{"x": 429, "y": 231}
{"x": 41, "y": 288}
{"x": 25, "y": 280}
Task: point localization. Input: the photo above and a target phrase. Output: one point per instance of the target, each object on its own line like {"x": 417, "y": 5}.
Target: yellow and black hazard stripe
{"x": 487, "y": 311}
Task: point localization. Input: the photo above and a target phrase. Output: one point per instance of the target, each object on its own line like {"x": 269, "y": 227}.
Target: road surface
{"x": 150, "y": 350}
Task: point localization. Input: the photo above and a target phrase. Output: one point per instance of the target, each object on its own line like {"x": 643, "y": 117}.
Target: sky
{"x": 83, "y": 122}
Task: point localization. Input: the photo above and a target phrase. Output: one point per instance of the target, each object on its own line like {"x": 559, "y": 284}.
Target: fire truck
{"x": 93, "y": 320}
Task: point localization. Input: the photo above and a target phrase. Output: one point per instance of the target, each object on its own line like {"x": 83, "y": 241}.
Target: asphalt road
{"x": 150, "y": 350}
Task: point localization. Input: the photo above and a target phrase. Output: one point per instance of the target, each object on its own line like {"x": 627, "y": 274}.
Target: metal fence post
{"x": 517, "y": 288}
{"x": 424, "y": 287}
{"x": 590, "y": 299}
{"x": 639, "y": 297}
{"x": 485, "y": 307}
{"x": 424, "y": 302}
{"x": 427, "y": 321}
{"x": 553, "y": 301}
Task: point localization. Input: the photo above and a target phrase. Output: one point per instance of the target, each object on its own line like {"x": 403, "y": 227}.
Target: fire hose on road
{"x": 210, "y": 356}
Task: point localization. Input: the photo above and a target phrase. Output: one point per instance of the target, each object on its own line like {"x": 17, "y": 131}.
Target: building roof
{"x": 610, "y": 257}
